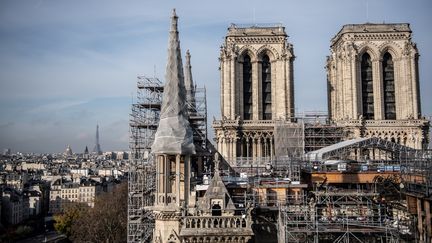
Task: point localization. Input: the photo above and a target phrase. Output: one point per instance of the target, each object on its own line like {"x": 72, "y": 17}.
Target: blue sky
{"x": 67, "y": 65}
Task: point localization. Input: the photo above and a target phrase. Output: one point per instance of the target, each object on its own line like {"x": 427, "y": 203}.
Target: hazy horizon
{"x": 69, "y": 65}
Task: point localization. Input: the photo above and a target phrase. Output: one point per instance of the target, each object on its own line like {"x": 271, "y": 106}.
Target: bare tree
{"x": 106, "y": 222}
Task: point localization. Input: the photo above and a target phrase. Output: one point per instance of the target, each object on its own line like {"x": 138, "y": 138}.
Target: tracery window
{"x": 247, "y": 88}
{"x": 266, "y": 88}
{"x": 367, "y": 87}
{"x": 389, "y": 87}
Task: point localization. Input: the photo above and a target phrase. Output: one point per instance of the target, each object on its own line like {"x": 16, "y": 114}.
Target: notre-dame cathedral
{"x": 373, "y": 91}
{"x": 373, "y": 87}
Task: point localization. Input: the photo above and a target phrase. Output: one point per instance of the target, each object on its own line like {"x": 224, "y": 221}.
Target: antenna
{"x": 154, "y": 71}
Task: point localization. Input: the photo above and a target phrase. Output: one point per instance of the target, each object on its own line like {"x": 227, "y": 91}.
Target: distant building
{"x": 122, "y": 155}
{"x": 7, "y": 152}
{"x": 35, "y": 201}
{"x": 12, "y": 206}
{"x": 15, "y": 180}
{"x": 86, "y": 154}
{"x": 64, "y": 193}
{"x": 68, "y": 151}
{"x": 32, "y": 166}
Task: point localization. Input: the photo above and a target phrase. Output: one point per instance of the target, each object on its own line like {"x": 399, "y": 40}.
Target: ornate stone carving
{"x": 346, "y": 87}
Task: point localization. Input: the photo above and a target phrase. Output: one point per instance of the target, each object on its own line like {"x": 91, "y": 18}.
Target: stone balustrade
{"x": 395, "y": 122}
{"x": 244, "y": 122}
{"x": 409, "y": 122}
{"x": 208, "y": 222}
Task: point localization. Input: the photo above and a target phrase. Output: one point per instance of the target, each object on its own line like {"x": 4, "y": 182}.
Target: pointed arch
{"x": 247, "y": 87}
{"x": 247, "y": 50}
{"x": 389, "y": 87}
{"x": 266, "y": 88}
{"x": 269, "y": 51}
{"x": 370, "y": 49}
{"x": 390, "y": 47}
{"x": 367, "y": 86}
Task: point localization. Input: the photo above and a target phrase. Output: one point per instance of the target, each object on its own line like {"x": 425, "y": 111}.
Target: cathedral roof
{"x": 371, "y": 28}
{"x": 256, "y": 30}
{"x": 174, "y": 134}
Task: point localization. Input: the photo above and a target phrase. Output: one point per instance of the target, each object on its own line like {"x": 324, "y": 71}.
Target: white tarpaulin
{"x": 174, "y": 134}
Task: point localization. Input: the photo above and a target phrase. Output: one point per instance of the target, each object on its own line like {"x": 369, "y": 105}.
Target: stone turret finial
{"x": 174, "y": 134}
{"x": 174, "y": 20}
{"x": 190, "y": 89}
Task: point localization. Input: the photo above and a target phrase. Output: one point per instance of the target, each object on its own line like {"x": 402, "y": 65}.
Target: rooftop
{"x": 371, "y": 28}
{"x": 256, "y": 29}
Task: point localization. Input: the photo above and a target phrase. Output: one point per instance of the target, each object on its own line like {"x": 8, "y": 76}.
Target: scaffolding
{"x": 374, "y": 210}
{"x": 144, "y": 120}
{"x": 337, "y": 216}
{"x": 319, "y": 132}
{"x": 416, "y": 173}
{"x": 198, "y": 118}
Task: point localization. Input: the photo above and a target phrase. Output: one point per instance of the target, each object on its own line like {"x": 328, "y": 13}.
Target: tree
{"x": 64, "y": 221}
{"x": 106, "y": 222}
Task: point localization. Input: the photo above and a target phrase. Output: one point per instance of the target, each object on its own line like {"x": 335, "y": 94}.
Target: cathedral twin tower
{"x": 373, "y": 87}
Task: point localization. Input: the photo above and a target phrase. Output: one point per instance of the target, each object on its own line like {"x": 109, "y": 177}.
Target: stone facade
{"x": 63, "y": 194}
{"x": 257, "y": 88}
{"x": 373, "y": 83}
{"x": 214, "y": 219}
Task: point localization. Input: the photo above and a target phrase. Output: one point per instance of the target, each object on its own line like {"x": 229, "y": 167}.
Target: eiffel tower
{"x": 97, "y": 148}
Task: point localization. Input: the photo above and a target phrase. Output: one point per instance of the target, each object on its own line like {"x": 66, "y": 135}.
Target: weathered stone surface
{"x": 256, "y": 137}
{"x": 344, "y": 77}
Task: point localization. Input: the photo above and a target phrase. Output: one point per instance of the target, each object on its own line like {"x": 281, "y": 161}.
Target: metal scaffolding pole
{"x": 144, "y": 119}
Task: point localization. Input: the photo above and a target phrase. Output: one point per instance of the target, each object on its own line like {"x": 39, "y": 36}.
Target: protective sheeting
{"x": 320, "y": 153}
{"x": 174, "y": 134}
{"x": 341, "y": 149}
{"x": 288, "y": 139}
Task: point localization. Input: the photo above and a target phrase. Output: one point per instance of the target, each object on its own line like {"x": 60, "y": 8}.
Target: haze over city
{"x": 66, "y": 66}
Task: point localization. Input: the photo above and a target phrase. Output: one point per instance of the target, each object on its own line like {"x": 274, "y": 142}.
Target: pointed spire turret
{"x": 190, "y": 89}
{"x": 174, "y": 21}
{"x": 174, "y": 134}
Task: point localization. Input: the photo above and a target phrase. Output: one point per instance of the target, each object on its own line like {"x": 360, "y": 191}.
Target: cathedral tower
{"x": 373, "y": 83}
{"x": 256, "y": 67}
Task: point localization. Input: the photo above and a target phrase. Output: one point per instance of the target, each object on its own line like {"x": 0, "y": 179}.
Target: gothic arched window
{"x": 367, "y": 87}
{"x": 266, "y": 88}
{"x": 389, "y": 87}
{"x": 247, "y": 88}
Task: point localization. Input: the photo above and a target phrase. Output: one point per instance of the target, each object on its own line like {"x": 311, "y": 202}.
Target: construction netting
{"x": 288, "y": 139}
{"x": 174, "y": 134}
